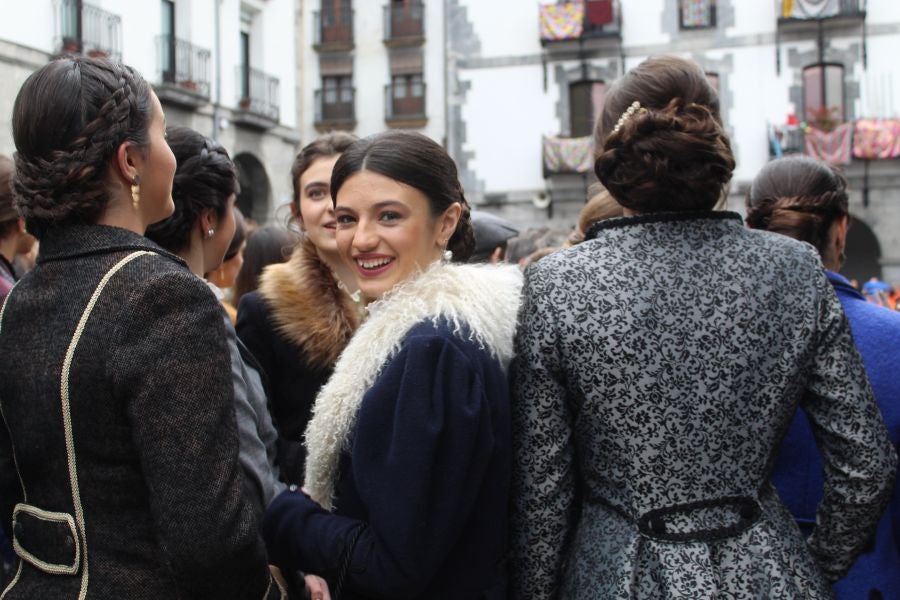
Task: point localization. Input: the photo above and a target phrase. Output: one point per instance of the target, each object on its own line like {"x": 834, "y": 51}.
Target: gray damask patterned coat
{"x": 658, "y": 368}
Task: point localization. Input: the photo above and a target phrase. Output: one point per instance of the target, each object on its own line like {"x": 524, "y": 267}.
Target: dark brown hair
{"x": 69, "y": 118}
{"x": 419, "y": 162}
{"x": 9, "y": 217}
{"x": 205, "y": 178}
{"x": 799, "y": 197}
{"x": 599, "y": 207}
{"x": 267, "y": 245}
{"x": 330, "y": 144}
{"x": 672, "y": 154}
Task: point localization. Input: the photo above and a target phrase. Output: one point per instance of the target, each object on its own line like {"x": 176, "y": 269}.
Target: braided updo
{"x": 419, "y": 162}
{"x": 205, "y": 178}
{"x": 672, "y": 153}
{"x": 799, "y": 197}
{"x": 69, "y": 118}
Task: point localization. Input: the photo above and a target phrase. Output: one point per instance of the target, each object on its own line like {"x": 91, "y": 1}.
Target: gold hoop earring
{"x": 136, "y": 192}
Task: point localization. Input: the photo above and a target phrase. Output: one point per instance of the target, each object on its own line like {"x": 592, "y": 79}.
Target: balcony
{"x": 404, "y": 105}
{"x": 567, "y": 155}
{"x": 333, "y": 29}
{"x": 804, "y": 19}
{"x": 339, "y": 110}
{"x": 183, "y": 72}
{"x": 83, "y": 28}
{"x": 258, "y": 99}
{"x": 579, "y": 21}
{"x": 404, "y": 24}
{"x": 804, "y": 10}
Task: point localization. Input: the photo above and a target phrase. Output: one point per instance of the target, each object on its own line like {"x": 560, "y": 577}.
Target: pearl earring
{"x": 210, "y": 232}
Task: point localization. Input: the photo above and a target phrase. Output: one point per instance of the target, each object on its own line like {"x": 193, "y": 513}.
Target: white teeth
{"x": 373, "y": 263}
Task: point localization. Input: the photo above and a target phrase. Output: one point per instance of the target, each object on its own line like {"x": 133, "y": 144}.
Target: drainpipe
{"x": 448, "y": 135}
{"x": 218, "y": 53}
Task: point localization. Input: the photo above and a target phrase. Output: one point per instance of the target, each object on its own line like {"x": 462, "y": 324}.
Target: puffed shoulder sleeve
{"x": 543, "y": 480}
{"x": 172, "y": 364}
{"x": 859, "y": 460}
{"x": 426, "y": 434}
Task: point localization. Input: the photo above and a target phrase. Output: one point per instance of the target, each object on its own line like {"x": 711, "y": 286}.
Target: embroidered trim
{"x": 67, "y": 412}
{"x": 56, "y": 517}
{"x": 659, "y": 217}
{"x": 483, "y": 298}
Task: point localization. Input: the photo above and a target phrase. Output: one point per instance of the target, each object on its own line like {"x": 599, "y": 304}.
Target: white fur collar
{"x": 484, "y": 298}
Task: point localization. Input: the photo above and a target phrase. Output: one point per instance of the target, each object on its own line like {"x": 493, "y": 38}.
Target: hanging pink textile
{"x": 600, "y": 12}
{"x": 832, "y": 147}
{"x": 876, "y": 138}
{"x": 563, "y": 21}
{"x": 568, "y": 155}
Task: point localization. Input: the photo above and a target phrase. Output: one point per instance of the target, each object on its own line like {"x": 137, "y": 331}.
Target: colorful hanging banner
{"x": 696, "y": 13}
{"x": 876, "y": 139}
{"x": 811, "y": 9}
{"x": 568, "y": 155}
{"x": 563, "y": 21}
{"x": 832, "y": 147}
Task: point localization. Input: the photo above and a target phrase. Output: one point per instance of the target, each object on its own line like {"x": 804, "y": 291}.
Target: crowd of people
{"x": 669, "y": 403}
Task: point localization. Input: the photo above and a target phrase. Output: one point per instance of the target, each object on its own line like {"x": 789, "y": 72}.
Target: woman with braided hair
{"x": 807, "y": 200}
{"x": 657, "y": 366}
{"x": 118, "y": 457}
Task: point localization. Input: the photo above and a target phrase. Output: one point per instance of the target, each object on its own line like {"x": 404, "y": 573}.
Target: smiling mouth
{"x": 374, "y": 266}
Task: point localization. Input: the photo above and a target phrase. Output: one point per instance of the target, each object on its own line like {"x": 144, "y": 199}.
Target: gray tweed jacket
{"x": 658, "y": 367}
{"x": 119, "y": 475}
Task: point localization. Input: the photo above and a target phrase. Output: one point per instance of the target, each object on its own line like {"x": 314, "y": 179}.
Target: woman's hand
{"x": 317, "y": 587}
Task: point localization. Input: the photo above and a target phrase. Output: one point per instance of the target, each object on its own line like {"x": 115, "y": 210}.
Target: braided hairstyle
{"x": 69, "y": 118}
{"x": 672, "y": 154}
{"x": 205, "y": 178}
{"x": 417, "y": 161}
{"x": 9, "y": 217}
{"x": 799, "y": 197}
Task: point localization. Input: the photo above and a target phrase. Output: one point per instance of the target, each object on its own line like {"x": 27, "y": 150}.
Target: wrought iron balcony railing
{"x": 335, "y": 109}
{"x": 258, "y": 93}
{"x": 404, "y": 101}
{"x": 83, "y": 28}
{"x": 333, "y": 28}
{"x": 404, "y": 23}
{"x": 183, "y": 64}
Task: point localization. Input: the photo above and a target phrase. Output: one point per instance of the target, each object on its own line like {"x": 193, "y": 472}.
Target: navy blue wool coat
{"x": 798, "y": 470}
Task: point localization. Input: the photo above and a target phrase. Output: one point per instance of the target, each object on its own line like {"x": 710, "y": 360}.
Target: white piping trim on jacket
{"x": 67, "y": 413}
{"x": 56, "y": 517}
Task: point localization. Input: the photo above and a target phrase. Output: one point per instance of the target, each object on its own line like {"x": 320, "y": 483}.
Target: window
{"x": 70, "y": 25}
{"x": 713, "y": 79}
{"x": 823, "y": 95}
{"x": 338, "y": 90}
{"x": 167, "y": 40}
{"x": 696, "y": 14}
{"x": 245, "y": 64}
{"x": 585, "y": 104}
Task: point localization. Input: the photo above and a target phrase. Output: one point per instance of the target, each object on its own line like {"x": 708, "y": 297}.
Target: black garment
{"x": 132, "y": 488}
{"x": 292, "y": 383}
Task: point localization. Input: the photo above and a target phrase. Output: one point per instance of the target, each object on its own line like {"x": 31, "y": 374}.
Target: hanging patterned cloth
{"x": 696, "y": 13}
{"x": 568, "y": 155}
{"x": 811, "y": 9}
{"x": 599, "y": 12}
{"x": 832, "y": 147}
{"x": 876, "y": 139}
{"x": 564, "y": 21}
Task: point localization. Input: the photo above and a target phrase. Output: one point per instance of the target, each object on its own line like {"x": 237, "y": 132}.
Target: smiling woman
{"x": 408, "y": 449}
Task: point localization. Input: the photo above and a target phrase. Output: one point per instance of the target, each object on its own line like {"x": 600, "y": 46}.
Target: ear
{"x": 447, "y": 223}
{"x": 129, "y": 162}
{"x": 21, "y": 226}
{"x": 207, "y": 220}
{"x": 298, "y": 216}
{"x": 841, "y": 226}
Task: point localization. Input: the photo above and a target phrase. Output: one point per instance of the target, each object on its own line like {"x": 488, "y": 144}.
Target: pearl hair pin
{"x": 632, "y": 110}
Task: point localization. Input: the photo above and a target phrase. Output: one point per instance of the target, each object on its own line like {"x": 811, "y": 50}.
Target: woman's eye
{"x": 345, "y": 220}
{"x": 316, "y": 194}
{"x": 390, "y": 216}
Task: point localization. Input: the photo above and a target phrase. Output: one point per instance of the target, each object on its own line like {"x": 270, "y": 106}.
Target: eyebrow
{"x": 315, "y": 184}
{"x": 385, "y": 203}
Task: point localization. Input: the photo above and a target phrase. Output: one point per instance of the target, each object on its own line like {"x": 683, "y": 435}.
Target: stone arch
{"x": 863, "y": 252}
{"x": 254, "y": 198}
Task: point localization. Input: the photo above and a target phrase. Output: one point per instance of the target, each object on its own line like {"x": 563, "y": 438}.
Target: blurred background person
{"x": 305, "y": 310}
{"x": 266, "y": 245}
{"x": 657, "y": 367}
{"x": 807, "y": 200}
{"x": 14, "y": 240}
{"x": 201, "y": 230}
{"x": 223, "y": 278}
{"x": 118, "y": 454}
{"x": 491, "y": 236}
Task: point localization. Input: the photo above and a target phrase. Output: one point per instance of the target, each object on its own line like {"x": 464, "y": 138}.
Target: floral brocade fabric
{"x": 658, "y": 366}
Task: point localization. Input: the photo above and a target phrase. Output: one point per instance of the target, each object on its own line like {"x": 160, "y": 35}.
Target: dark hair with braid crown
{"x": 417, "y": 161}
{"x": 69, "y": 118}
{"x": 799, "y": 197}
{"x": 205, "y": 178}
{"x": 671, "y": 154}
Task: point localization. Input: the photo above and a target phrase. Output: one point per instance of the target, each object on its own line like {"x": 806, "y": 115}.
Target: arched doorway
{"x": 253, "y": 200}
{"x": 863, "y": 253}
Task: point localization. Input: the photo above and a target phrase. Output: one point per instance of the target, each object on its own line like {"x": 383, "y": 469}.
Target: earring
{"x": 209, "y": 233}
{"x": 135, "y": 191}
{"x": 446, "y": 255}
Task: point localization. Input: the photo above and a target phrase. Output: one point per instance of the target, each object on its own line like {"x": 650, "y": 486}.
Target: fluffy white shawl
{"x": 484, "y": 298}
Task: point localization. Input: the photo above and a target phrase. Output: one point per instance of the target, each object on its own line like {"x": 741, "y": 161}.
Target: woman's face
{"x": 316, "y": 214}
{"x": 223, "y": 232}
{"x": 158, "y": 169}
{"x": 386, "y": 232}
{"x": 231, "y": 267}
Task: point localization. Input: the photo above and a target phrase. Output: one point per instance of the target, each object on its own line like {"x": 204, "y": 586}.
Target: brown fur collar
{"x": 308, "y": 307}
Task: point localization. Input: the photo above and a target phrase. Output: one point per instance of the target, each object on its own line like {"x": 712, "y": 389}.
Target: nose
{"x": 365, "y": 238}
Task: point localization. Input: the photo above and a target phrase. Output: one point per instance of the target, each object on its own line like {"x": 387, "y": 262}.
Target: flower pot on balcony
{"x": 96, "y": 53}
{"x": 244, "y": 103}
{"x": 190, "y": 84}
